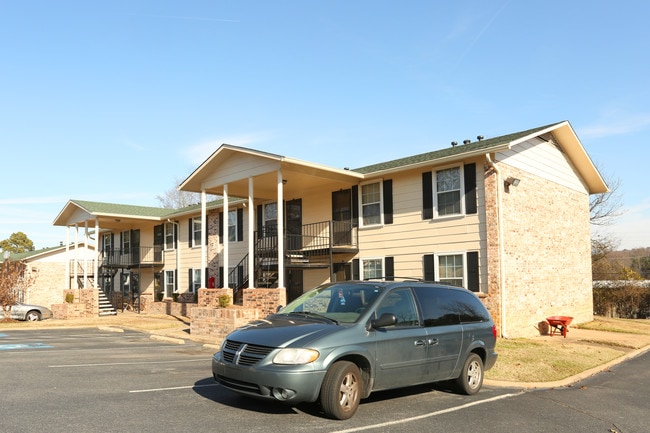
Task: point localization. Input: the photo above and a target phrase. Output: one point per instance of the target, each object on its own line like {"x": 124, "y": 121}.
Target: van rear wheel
{"x": 341, "y": 390}
{"x": 471, "y": 377}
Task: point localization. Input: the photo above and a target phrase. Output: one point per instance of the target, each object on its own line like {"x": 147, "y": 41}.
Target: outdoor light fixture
{"x": 511, "y": 181}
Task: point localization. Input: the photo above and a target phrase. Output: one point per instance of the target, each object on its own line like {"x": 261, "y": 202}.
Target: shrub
{"x": 224, "y": 301}
{"x": 625, "y": 300}
{"x": 175, "y": 297}
{"x": 69, "y": 298}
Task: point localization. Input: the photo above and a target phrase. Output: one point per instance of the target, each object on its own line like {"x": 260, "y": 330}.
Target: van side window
{"x": 438, "y": 307}
{"x": 400, "y": 302}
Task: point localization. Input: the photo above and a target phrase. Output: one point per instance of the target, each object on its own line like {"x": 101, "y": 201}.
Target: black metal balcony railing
{"x": 131, "y": 256}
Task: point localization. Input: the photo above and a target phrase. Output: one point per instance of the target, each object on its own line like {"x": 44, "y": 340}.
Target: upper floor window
{"x": 170, "y": 236}
{"x": 232, "y": 226}
{"x": 108, "y": 242}
{"x": 126, "y": 241}
{"x": 448, "y": 191}
{"x": 371, "y": 204}
{"x": 195, "y": 231}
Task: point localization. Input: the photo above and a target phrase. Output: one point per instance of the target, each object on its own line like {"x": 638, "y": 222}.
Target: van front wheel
{"x": 341, "y": 390}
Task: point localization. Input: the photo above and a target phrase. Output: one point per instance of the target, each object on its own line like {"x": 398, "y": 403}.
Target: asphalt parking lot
{"x": 93, "y": 380}
{"x": 101, "y": 380}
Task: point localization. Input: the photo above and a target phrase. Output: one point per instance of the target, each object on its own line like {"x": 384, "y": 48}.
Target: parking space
{"x": 92, "y": 380}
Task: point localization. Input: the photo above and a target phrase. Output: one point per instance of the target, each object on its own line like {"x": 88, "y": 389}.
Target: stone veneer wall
{"x": 85, "y": 304}
{"x": 547, "y": 252}
{"x": 208, "y": 319}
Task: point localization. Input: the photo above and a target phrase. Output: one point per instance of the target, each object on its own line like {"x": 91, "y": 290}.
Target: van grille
{"x": 238, "y": 353}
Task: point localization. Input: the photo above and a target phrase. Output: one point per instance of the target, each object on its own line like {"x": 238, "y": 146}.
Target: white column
{"x": 225, "y": 236}
{"x": 75, "y": 263}
{"x": 85, "y": 254}
{"x": 280, "y": 231}
{"x": 96, "y": 267}
{"x": 67, "y": 258}
{"x": 204, "y": 236}
{"x": 251, "y": 234}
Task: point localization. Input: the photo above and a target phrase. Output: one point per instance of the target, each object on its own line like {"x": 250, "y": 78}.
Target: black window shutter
{"x": 260, "y": 222}
{"x": 389, "y": 272}
{"x": 472, "y": 271}
{"x": 429, "y": 269}
{"x": 220, "y": 227}
{"x": 388, "y": 201}
{"x": 355, "y": 204}
{"x": 240, "y": 224}
{"x": 240, "y": 275}
{"x": 190, "y": 279}
{"x": 470, "y": 188}
{"x": 220, "y": 277}
{"x": 175, "y": 235}
{"x": 207, "y": 277}
{"x": 175, "y": 280}
{"x": 355, "y": 269}
{"x": 190, "y": 238}
{"x": 427, "y": 195}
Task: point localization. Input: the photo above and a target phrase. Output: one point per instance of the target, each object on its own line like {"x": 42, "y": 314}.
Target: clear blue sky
{"x": 117, "y": 100}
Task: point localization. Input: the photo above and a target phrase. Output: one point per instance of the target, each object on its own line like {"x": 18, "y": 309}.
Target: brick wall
{"x": 85, "y": 304}
{"x": 547, "y": 252}
{"x": 208, "y": 319}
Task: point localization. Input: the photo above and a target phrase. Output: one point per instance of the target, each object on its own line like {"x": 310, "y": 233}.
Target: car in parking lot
{"x": 341, "y": 341}
{"x": 29, "y": 312}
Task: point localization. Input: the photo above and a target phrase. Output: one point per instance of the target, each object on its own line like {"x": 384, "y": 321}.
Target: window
{"x": 170, "y": 283}
{"x": 400, "y": 302}
{"x": 270, "y": 219}
{"x": 371, "y": 204}
{"x": 108, "y": 242}
{"x": 448, "y": 188}
{"x": 170, "y": 236}
{"x": 232, "y": 226}
{"x": 450, "y": 269}
{"x": 372, "y": 268}
{"x": 195, "y": 280}
{"x": 126, "y": 241}
{"x": 195, "y": 232}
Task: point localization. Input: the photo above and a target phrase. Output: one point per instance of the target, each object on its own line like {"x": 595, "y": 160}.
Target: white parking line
{"x": 173, "y": 388}
{"x": 126, "y": 363}
{"x": 428, "y": 415}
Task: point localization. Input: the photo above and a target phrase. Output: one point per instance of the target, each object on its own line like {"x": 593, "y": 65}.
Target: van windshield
{"x": 341, "y": 302}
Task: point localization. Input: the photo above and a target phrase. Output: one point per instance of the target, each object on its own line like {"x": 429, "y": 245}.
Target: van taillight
{"x": 494, "y": 330}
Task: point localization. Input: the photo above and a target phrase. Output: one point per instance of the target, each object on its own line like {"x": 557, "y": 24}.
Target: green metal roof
{"x": 458, "y": 150}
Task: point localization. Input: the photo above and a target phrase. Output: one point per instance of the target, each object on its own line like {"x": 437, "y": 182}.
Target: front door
{"x": 342, "y": 217}
{"x": 293, "y": 209}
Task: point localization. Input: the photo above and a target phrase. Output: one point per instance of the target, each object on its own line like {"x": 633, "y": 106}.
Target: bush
{"x": 69, "y": 298}
{"x": 175, "y": 297}
{"x": 224, "y": 301}
{"x": 625, "y": 300}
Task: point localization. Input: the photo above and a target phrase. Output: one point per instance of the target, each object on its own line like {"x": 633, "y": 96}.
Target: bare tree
{"x": 605, "y": 207}
{"x": 176, "y": 199}
{"x": 13, "y": 282}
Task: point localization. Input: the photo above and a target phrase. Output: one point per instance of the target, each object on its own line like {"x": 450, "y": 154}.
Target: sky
{"x": 117, "y": 101}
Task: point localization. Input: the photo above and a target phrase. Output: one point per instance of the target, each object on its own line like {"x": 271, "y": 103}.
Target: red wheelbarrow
{"x": 559, "y": 324}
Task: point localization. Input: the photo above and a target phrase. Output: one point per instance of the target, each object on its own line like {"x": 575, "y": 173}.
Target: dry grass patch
{"x": 627, "y": 326}
{"x": 522, "y": 360}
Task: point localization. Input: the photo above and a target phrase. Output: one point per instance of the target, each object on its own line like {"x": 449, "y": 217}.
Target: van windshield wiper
{"x": 313, "y": 316}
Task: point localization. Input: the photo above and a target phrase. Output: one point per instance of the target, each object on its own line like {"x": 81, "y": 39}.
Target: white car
{"x": 32, "y": 313}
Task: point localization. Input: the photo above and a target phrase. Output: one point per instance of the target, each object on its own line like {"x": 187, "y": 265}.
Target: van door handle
{"x": 419, "y": 343}
{"x": 433, "y": 341}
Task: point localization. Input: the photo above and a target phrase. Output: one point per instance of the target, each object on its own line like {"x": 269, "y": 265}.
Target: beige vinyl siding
{"x": 542, "y": 158}
{"x": 410, "y": 237}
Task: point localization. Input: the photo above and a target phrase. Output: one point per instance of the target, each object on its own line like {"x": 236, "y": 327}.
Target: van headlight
{"x": 295, "y": 356}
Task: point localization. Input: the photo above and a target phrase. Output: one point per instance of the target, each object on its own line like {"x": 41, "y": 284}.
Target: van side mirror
{"x": 386, "y": 319}
{"x": 279, "y": 308}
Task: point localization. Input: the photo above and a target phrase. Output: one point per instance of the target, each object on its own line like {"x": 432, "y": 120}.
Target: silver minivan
{"x": 341, "y": 341}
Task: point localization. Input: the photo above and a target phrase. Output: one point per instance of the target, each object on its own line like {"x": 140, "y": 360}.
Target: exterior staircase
{"x": 105, "y": 306}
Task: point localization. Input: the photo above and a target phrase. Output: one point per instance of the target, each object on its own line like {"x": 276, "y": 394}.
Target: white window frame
{"x": 196, "y": 280}
{"x": 232, "y": 226}
{"x": 461, "y": 190}
{"x": 196, "y": 232}
{"x": 463, "y": 257}
{"x": 170, "y": 283}
{"x": 362, "y": 267}
{"x": 170, "y": 232}
{"x": 125, "y": 241}
{"x": 380, "y": 203}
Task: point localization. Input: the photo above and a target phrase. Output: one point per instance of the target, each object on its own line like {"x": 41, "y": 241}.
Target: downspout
{"x": 502, "y": 272}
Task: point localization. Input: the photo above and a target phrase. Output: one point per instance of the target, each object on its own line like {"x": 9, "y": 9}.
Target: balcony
{"x": 131, "y": 257}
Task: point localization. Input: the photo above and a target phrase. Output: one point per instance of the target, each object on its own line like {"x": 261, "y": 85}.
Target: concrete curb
{"x": 166, "y": 339}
